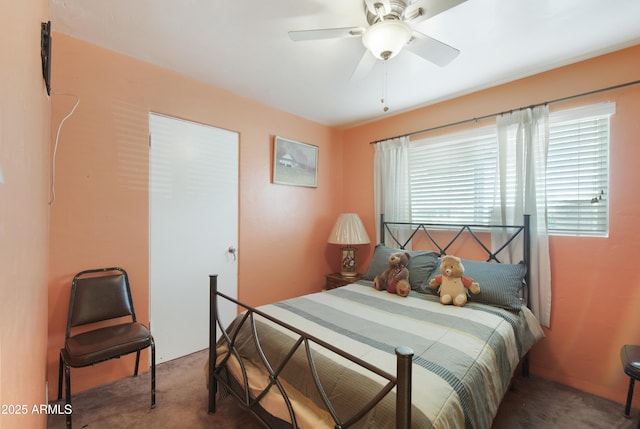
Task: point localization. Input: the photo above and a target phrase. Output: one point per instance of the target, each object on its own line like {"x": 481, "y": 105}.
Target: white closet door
{"x": 193, "y": 221}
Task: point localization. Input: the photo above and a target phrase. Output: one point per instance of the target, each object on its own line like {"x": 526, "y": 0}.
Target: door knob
{"x": 232, "y": 250}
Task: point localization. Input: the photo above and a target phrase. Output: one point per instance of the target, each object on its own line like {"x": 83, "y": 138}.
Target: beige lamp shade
{"x": 349, "y": 230}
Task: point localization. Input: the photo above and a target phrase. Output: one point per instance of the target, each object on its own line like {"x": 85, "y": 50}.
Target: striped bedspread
{"x": 463, "y": 363}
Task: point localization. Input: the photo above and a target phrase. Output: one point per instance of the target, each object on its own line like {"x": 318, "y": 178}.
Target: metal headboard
{"x": 511, "y": 233}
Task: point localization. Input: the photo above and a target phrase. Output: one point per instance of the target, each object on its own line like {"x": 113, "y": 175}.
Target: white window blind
{"x": 452, "y": 177}
{"x": 578, "y": 171}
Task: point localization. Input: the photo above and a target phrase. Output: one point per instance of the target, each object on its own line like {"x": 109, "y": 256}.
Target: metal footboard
{"x": 401, "y": 381}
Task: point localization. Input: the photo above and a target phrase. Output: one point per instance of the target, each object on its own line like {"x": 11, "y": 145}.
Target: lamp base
{"x": 348, "y": 262}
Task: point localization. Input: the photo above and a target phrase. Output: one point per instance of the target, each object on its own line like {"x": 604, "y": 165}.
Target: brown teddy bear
{"x": 395, "y": 279}
{"x": 454, "y": 286}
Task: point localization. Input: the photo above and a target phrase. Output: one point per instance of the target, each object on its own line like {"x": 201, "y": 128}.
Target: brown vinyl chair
{"x": 100, "y": 295}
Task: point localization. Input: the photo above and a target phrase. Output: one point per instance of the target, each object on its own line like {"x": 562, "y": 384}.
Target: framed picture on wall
{"x": 294, "y": 163}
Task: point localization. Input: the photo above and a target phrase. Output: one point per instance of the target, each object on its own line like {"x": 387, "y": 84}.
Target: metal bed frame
{"x": 401, "y": 380}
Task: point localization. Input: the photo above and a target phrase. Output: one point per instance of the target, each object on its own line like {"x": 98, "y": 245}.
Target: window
{"x": 452, "y": 177}
{"x": 578, "y": 171}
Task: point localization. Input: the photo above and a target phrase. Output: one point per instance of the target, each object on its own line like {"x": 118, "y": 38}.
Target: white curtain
{"x": 523, "y": 140}
{"x": 391, "y": 182}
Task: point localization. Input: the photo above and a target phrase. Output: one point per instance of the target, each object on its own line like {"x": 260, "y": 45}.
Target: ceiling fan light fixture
{"x": 385, "y": 39}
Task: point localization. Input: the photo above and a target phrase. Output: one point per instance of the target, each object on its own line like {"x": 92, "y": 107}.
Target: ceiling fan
{"x": 391, "y": 28}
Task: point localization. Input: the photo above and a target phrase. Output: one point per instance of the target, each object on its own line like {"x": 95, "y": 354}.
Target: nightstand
{"x": 336, "y": 280}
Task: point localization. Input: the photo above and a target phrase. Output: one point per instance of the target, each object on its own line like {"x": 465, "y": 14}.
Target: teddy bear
{"x": 454, "y": 286}
{"x": 395, "y": 279}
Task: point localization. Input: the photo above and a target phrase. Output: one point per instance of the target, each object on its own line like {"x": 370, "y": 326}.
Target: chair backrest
{"x": 102, "y": 297}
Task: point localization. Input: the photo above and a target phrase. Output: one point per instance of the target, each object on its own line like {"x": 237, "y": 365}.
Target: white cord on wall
{"x": 55, "y": 146}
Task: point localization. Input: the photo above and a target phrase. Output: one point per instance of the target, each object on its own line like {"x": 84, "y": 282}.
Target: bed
{"x": 362, "y": 358}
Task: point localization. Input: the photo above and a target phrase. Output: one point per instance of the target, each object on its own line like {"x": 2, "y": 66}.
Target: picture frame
{"x": 294, "y": 163}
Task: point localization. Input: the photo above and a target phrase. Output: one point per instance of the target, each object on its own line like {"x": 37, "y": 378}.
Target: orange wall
{"x": 100, "y": 215}
{"x": 596, "y": 294}
{"x": 24, "y": 150}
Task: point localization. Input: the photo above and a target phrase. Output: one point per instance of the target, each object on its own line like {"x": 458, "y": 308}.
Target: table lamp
{"x": 348, "y": 231}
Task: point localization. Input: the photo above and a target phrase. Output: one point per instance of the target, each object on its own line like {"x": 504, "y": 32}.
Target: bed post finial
{"x": 404, "y": 357}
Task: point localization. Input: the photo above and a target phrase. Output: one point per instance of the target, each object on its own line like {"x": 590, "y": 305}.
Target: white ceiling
{"x": 243, "y": 46}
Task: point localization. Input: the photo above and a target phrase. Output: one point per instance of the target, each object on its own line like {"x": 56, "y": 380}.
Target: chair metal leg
{"x": 627, "y": 408}
{"x": 153, "y": 374}
{"x": 67, "y": 376}
{"x": 135, "y": 371}
{"x": 60, "y": 369}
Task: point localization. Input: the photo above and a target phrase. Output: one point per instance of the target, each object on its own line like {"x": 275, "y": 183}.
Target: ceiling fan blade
{"x": 431, "y": 49}
{"x": 422, "y": 10}
{"x": 364, "y": 66}
{"x": 326, "y": 33}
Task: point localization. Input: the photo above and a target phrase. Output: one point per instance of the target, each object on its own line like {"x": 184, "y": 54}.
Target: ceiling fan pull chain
{"x": 383, "y": 100}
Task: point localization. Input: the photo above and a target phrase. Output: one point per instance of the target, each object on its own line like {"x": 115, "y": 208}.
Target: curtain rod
{"x": 466, "y": 121}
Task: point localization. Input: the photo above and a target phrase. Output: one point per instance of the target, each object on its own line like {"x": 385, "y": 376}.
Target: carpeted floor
{"x": 182, "y": 403}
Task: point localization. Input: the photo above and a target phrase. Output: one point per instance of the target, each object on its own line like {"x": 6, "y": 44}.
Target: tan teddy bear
{"x": 454, "y": 286}
{"x": 395, "y": 279}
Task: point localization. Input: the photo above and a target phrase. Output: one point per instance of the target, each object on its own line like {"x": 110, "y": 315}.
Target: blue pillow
{"x": 500, "y": 284}
{"x": 421, "y": 265}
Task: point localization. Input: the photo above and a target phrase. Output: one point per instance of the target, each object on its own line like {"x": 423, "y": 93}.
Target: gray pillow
{"x": 421, "y": 264}
{"x": 500, "y": 284}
